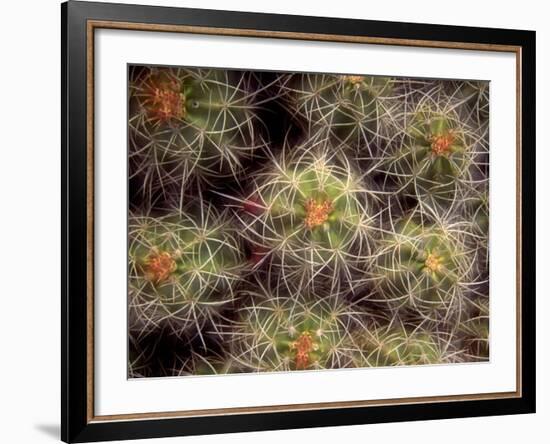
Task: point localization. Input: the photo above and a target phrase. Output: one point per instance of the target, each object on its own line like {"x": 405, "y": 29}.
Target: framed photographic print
{"x": 277, "y": 221}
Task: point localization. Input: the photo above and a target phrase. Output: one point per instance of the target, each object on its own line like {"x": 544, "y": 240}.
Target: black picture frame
{"x": 77, "y": 424}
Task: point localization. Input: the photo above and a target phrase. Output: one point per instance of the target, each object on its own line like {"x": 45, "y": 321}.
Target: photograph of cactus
{"x": 305, "y": 221}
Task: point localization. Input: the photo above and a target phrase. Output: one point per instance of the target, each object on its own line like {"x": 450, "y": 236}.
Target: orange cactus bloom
{"x": 165, "y": 100}
{"x": 433, "y": 263}
{"x": 317, "y": 213}
{"x": 302, "y": 347}
{"x": 159, "y": 266}
{"x": 441, "y": 144}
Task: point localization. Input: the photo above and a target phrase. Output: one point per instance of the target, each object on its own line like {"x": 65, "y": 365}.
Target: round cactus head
{"x": 190, "y": 121}
{"x": 204, "y": 364}
{"x": 183, "y": 268}
{"x": 421, "y": 268}
{"x": 281, "y": 333}
{"x": 345, "y": 107}
{"x": 475, "y": 328}
{"x": 433, "y": 162}
{"x": 393, "y": 346}
{"x": 474, "y": 96}
{"x": 309, "y": 218}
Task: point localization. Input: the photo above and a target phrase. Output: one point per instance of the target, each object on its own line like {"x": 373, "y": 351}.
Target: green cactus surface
{"x": 421, "y": 268}
{"x": 310, "y": 218}
{"x": 475, "y": 328}
{"x": 183, "y": 269}
{"x": 191, "y": 123}
{"x": 395, "y": 346}
{"x": 433, "y": 162}
{"x": 282, "y": 333}
{"x": 346, "y": 107}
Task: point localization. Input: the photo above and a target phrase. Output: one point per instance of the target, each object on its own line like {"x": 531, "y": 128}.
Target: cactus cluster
{"x": 293, "y": 221}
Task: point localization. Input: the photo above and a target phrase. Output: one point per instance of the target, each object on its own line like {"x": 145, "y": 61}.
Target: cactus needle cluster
{"x": 304, "y": 221}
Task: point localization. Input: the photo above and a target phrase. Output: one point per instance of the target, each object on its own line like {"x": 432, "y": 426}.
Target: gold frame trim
{"x": 97, "y": 24}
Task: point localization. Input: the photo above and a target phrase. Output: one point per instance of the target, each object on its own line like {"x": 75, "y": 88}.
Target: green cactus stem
{"x": 434, "y": 160}
{"x": 185, "y": 122}
{"x": 475, "y": 96}
{"x": 346, "y": 107}
{"x": 183, "y": 269}
{"x": 475, "y": 328}
{"x": 396, "y": 346}
{"x": 308, "y": 216}
{"x": 421, "y": 268}
{"x": 281, "y": 333}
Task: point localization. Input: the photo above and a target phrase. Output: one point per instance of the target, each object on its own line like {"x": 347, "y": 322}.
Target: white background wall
{"x": 30, "y": 209}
